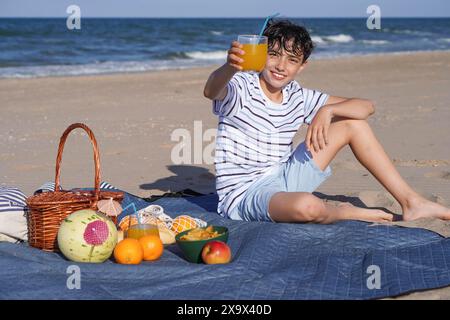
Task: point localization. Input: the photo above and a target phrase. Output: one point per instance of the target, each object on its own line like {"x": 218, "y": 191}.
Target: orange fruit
{"x": 152, "y": 246}
{"x": 128, "y": 251}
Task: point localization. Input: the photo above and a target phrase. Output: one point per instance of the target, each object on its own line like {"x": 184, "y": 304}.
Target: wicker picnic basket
{"x": 47, "y": 210}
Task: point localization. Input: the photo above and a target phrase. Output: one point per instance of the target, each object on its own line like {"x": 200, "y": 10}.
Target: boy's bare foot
{"x": 350, "y": 212}
{"x": 418, "y": 207}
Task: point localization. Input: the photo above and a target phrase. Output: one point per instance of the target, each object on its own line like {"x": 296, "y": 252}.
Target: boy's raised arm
{"x": 216, "y": 86}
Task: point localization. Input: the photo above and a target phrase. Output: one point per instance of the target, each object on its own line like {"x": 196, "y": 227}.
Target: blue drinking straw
{"x": 267, "y": 20}
{"x": 135, "y": 212}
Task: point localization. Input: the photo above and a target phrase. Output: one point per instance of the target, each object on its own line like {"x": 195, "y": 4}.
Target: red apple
{"x": 215, "y": 252}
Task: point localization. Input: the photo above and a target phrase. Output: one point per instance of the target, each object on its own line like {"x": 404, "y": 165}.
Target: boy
{"x": 258, "y": 175}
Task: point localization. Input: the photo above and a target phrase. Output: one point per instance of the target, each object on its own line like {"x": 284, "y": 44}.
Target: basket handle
{"x": 62, "y": 141}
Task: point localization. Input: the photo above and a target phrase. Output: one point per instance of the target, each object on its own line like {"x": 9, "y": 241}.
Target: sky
{"x": 224, "y": 8}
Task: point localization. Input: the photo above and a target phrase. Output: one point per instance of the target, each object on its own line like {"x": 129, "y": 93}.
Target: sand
{"x": 138, "y": 118}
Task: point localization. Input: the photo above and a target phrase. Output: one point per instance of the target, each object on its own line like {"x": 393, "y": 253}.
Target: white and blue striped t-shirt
{"x": 11, "y": 199}
{"x": 254, "y": 134}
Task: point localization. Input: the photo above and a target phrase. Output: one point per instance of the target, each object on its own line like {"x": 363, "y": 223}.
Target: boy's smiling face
{"x": 282, "y": 67}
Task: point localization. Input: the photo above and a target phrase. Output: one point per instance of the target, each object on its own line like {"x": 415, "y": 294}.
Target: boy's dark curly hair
{"x": 282, "y": 31}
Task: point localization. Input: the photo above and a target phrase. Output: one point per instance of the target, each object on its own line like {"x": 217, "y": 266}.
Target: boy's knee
{"x": 355, "y": 124}
{"x": 308, "y": 208}
{"x": 350, "y": 127}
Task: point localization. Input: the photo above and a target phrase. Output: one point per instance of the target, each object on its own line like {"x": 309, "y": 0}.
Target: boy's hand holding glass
{"x": 233, "y": 59}
{"x": 249, "y": 53}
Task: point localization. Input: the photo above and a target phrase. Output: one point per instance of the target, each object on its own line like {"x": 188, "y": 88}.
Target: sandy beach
{"x": 137, "y": 119}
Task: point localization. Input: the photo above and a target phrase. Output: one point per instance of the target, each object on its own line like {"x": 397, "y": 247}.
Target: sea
{"x": 38, "y": 47}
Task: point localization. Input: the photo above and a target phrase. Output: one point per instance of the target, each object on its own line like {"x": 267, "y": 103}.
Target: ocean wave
{"x": 98, "y": 68}
{"x": 195, "y": 55}
{"x": 207, "y": 55}
{"x": 172, "y": 56}
{"x": 111, "y": 67}
{"x": 180, "y": 60}
{"x": 407, "y": 31}
{"x": 216, "y": 33}
{"x": 317, "y": 39}
{"x": 340, "y": 38}
{"x": 444, "y": 39}
{"x": 375, "y": 42}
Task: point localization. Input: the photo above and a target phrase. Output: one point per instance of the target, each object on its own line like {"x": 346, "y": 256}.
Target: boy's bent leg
{"x": 370, "y": 153}
{"x": 305, "y": 207}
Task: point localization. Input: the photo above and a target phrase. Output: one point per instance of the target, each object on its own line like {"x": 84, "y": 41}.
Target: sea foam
{"x": 207, "y": 55}
{"x": 340, "y": 38}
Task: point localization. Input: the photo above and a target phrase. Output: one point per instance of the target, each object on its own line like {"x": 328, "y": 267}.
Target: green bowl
{"x": 192, "y": 250}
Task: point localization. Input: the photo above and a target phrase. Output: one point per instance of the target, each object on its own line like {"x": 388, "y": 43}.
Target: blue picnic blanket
{"x": 344, "y": 260}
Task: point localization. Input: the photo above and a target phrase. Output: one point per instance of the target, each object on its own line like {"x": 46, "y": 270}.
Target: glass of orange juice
{"x": 255, "y": 48}
{"x": 137, "y": 231}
